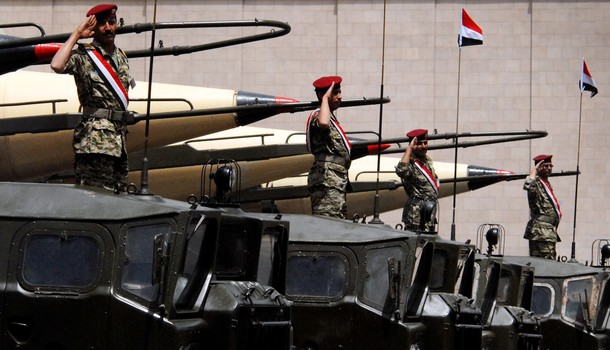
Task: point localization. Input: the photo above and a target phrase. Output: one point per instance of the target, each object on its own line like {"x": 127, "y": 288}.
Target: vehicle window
{"x": 65, "y": 259}
{"x": 578, "y": 301}
{"x": 232, "y": 256}
{"x": 543, "y": 298}
{"x": 196, "y": 267}
{"x": 138, "y": 264}
{"x": 316, "y": 276}
{"x": 439, "y": 268}
{"x": 504, "y": 287}
{"x": 194, "y": 240}
{"x": 269, "y": 255}
{"x": 376, "y": 282}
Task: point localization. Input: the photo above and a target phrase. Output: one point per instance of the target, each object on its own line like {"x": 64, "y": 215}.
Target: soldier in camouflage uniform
{"x": 101, "y": 74}
{"x": 420, "y": 181}
{"x": 545, "y": 212}
{"x": 327, "y": 181}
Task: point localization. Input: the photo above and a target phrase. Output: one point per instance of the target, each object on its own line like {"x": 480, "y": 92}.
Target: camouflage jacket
{"x": 540, "y": 206}
{"x": 95, "y": 135}
{"x": 415, "y": 183}
{"x": 328, "y": 142}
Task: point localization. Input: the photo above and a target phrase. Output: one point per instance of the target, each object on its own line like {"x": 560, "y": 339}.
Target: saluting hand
{"x": 413, "y": 143}
{"x": 86, "y": 29}
{"x": 328, "y": 94}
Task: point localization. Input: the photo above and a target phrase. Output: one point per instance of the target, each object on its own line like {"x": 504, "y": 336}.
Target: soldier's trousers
{"x": 543, "y": 249}
{"x": 101, "y": 170}
{"x": 328, "y": 201}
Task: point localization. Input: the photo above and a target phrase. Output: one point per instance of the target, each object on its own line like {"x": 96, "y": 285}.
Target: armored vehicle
{"x": 451, "y": 286}
{"x": 355, "y": 286}
{"x": 366, "y": 286}
{"x": 572, "y": 302}
{"x": 83, "y": 268}
{"x": 503, "y": 291}
{"x": 497, "y": 290}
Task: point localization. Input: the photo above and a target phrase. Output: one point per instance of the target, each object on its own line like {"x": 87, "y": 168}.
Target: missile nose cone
{"x": 374, "y": 149}
{"x": 45, "y": 52}
{"x": 249, "y": 116}
{"x": 362, "y": 150}
{"x": 475, "y": 170}
{"x": 488, "y": 176}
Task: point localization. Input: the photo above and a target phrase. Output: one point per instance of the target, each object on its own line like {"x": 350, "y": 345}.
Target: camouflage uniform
{"x": 419, "y": 190}
{"x": 99, "y": 144}
{"x": 541, "y": 228}
{"x": 328, "y": 176}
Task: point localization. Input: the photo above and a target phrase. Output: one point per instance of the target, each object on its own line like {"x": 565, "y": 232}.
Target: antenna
{"x": 144, "y": 175}
{"x": 376, "y": 219}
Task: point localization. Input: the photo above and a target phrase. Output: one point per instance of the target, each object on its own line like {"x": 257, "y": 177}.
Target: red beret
{"x": 542, "y": 158}
{"x": 421, "y": 134}
{"x": 96, "y": 10}
{"x": 326, "y": 82}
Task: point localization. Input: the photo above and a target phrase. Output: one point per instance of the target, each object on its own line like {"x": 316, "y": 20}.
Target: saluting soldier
{"x": 101, "y": 74}
{"x": 421, "y": 184}
{"x": 545, "y": 212}
{"x": 327, "y": 181}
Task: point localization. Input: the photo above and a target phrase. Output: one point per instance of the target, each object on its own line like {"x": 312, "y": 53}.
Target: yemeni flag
{"x": 586, "y": 80}
{"x": 470, "y": 32}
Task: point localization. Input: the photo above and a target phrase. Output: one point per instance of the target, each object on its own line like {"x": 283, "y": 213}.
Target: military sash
{"x": 314, "y": 114}
{"x": 348, "y": 145}
{"x": 427, "y": 174}
{"x": 551, "y": 195}
{"x": 110, "y": 77}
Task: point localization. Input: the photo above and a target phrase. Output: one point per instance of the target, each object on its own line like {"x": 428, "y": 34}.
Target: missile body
{"x": 24, "y": 156}
{"x": 181, "y": 182}
{"x": 178, "y": 171}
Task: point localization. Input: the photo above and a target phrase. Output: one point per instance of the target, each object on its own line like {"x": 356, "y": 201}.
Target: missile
{"x": 255, "y": 166}
{"x": 390, "y": 197}
{"x": 24, "y": 94}
{"x": 12, "y": 59}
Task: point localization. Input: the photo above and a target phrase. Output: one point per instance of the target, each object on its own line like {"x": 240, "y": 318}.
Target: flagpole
{"x": 573, "y": 251}
{"x": 376, "y": 219}
{"x": 455, "y": 158}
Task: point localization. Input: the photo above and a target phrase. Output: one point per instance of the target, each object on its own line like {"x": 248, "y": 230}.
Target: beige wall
{"x": 524, "y": 76}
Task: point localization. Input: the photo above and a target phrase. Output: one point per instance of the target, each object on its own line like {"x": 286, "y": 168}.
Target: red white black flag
{"x": 586, "y": 81}
{"x": 470, "y": 32}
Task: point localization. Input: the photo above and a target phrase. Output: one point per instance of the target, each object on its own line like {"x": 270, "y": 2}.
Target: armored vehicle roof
{"x": 551, "y": 268}
{"x": 58, "y": 201}
{"x": 310, "y": 228}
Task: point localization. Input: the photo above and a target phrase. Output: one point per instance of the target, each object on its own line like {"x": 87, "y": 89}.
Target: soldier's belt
{"x": 332, "y": 158}
{"x": 103, "y": 113}
{"x": 548, "y": 219}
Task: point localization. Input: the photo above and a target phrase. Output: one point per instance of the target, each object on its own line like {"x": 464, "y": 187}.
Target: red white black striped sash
{"x": 335, "y": 123}
{"x": 348, "y": 145}
{"x": 110, "y": 77}
{"x": 427, "y": 174}
{"x": 551, "y": 195}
